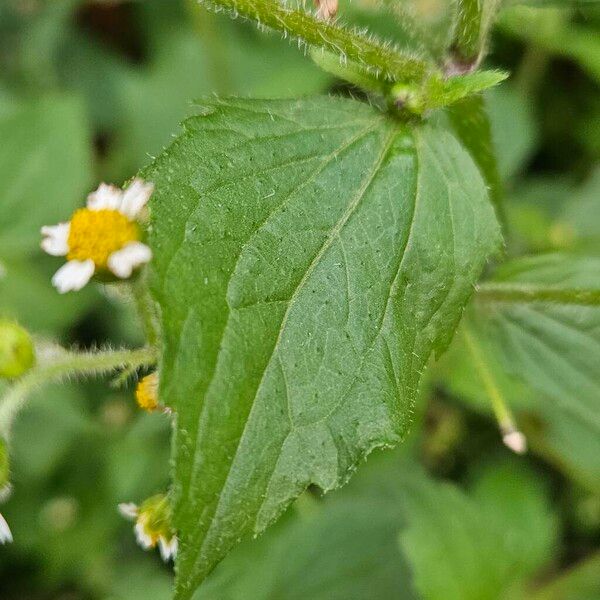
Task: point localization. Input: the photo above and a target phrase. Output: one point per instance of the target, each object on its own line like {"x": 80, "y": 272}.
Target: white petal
{"x": 129, "y": 510}
{"x": 56, "y": 239}
{"x": 132, "y": 255}
{"x": 168, "y": 549}
{"x": 106, "y": 196}
{"x": 135, "y": 197}
{"x": 516, "y": 441}
{"x": 73, "y": 275}
{"x": 5, "y": 534}
{"x": 143, "y": 539}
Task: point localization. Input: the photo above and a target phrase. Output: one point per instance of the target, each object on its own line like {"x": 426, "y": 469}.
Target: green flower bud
{"x": 16, "y": 350}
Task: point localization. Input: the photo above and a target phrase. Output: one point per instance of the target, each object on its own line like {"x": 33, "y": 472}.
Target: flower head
{"x": 104, "y": 236}
{"x": 5, "y": 534}
{"x": 146, "y": 392}
{"x": 153, "y": 524}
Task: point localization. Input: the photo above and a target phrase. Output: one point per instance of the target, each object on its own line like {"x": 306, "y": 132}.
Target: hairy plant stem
{"x": 367, "y": 51}
{"x": 472, "y": 26}
{"x": 63, "y": 365}
{"x": 527, "y": 293}
{"x": 146, "y": 310}
{"x": 466, "y": 44}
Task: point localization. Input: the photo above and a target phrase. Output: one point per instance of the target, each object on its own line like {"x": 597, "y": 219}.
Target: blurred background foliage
{"x": 90, "y": 91}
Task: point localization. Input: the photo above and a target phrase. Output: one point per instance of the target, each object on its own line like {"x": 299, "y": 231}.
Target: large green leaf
{"x": 309, "y": 257}
{"x": 45, "y": 169}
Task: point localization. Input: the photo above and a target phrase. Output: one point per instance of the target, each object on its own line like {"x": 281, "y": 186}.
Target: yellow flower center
{"x": 96, "y": 234}
{"x": 146, "y": 392}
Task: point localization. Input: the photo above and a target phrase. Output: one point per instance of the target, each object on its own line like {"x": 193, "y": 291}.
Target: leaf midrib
{"x": 315, "y": 261}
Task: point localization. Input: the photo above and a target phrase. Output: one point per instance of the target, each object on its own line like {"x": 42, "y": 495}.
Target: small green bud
{"x": 16, "y": 350}
{"x": 407, "y": 98}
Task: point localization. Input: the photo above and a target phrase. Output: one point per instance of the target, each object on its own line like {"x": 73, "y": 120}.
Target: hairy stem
{"x": 63, "y": 365}
{"x": 526, "y": 293}
{"x": 472, "y": 26}
{"x": 146, "y": 310}
{"x": 365, "y": 50}
{"x": 467, "y": 30}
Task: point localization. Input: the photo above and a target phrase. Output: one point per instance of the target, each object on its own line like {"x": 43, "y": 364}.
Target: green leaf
{"x": 45, "y": 170}
{"x": 309, "y": 257}
{"x": 345, "y": 550}
{"x": 438, "y": 91}
{"x": 20, "y": 281}
{"x": 37, "y": 449}
{"x": 471, "y": 123}
{"x": 537, "y": 325}
{"x": 552, "y": 31}
{"x": 482, "y": 541}
{"x": 580, "y": 213}
{"x": 516, "y": 500}
{"x": 476, "y": 546}
{"x": 514, "y": 129}
{"x": 580, "y": 582}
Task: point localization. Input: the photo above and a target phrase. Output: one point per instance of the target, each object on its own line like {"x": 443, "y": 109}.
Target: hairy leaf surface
{"x": 309, "y": 257}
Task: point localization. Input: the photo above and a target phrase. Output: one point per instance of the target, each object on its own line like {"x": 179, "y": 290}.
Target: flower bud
{"x": 16, "y": 350}
{"x": 146, "y": 393}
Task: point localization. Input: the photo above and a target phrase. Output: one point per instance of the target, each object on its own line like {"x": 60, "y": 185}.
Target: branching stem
{"x": 63, "y": 365}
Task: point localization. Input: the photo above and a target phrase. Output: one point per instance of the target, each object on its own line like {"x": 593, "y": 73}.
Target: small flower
{"x": 102, "y": 237}
{"x": 5, "y": 534}
{"x": 153, "y": 524}
{"x": 146, "y": 392}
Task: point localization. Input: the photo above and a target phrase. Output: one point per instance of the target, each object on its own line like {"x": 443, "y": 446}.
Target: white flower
{"x": 129, "y": 510}
{"x": 104, "y": 236}
{"x": 153, "y": 525}
{"x": 168, "y": 550}
{"x": 5, "y": 534}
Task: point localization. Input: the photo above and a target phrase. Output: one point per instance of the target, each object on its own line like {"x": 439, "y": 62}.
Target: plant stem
{"x": 67, "y": 364}
{"x": 504, "y": 416}
{"x": 467, "y": 30}
{"x": 146, "y": 310}
{"x": 367, "y": 51}
{"x": 472, "y": 26}
{"x": 501, "y": 410}
{"x": 527, "y": 293}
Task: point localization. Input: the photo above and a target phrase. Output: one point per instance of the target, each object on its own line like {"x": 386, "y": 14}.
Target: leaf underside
{"x": 310, "y": 256}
